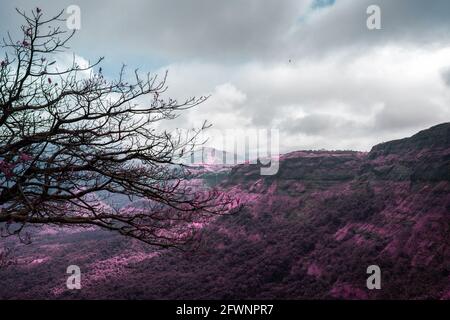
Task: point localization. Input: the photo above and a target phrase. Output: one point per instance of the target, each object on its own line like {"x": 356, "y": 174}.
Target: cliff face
{"x": 342, "y": 211}
{"x": 422, "y": 157}
{"x": 308, "y": 232}
{"x": 437, "y": 137}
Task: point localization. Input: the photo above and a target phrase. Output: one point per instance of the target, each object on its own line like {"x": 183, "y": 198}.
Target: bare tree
{"x": 70, "y": 138}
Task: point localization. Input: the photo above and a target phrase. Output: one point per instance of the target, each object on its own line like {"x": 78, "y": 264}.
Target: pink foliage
{"x": 7, "y": 168}
{"x": 314, "y": 270}
{"x": 347, "y": 291}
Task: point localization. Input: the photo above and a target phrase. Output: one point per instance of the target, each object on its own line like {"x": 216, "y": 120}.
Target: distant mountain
{"x": 211, "y": 156}
{"x": 436, "y": 137}
{"x": 308, "y": 232}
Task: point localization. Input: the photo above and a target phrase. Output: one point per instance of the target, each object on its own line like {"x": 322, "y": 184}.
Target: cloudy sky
{"x": 310, "y": 68}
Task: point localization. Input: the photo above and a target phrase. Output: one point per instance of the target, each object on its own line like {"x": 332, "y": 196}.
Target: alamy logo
{"x": 374, "y": 19}
{"x": 73, "y": 21}
{"x": 374, "y": 280}
{"x": 243, "y": 146}
{"x": 74, "y": 280}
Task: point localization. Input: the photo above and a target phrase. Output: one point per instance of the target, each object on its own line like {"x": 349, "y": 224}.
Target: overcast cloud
{"x": 310, "y": 68}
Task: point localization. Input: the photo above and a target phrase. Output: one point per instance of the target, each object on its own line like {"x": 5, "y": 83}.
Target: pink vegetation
{"x": 314, "y": 270}
{"x": 347, "y": 291}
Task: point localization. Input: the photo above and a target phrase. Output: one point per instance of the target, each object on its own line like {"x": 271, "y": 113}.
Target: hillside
{"x": 308, "y": 232}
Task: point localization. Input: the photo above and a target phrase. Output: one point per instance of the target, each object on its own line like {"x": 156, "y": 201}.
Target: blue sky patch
{"x": 322, "y": 3}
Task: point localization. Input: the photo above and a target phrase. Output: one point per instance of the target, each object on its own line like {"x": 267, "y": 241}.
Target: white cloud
{"x": 319, "y": 75}
{"x": 330, "y": 102}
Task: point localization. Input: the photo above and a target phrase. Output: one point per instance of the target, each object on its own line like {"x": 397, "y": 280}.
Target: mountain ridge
{"x": 435, "y": 136}
{"x": 308, "y": 232}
